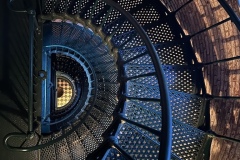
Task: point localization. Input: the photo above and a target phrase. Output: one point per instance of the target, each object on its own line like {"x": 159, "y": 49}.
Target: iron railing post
{"x": 166, "y": 137}
{"x": 32, "y": 15}
{"x": 234, "y": 18}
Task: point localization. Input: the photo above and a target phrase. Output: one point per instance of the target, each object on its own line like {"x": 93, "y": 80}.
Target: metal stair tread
{"x": 178, "y": 77}
{"x": 94, "y": 125}
{"x": 77, "y": 149}
{"x": 48, "y": 153}
{"x": 81, "y": 38}
{"x": 113, "y": 154}
{"x": 127, "y": 134}
{"x": 101, "y": 117}
{"x": 62, "y": 150}
{"x": 104, "y": 106}
{"x": 186, "y": 107}
{"x": 170, "y": 53}
{"x": 180, "y": 132}
{"x": 95, "y": 128}
{"x": 87, "y": 139}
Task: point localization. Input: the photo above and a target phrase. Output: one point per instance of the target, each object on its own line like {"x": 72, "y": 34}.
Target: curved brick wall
{"x": 220, "y": 79}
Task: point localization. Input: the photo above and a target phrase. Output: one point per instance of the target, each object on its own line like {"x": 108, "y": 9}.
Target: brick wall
{"x": 223, "y": 79}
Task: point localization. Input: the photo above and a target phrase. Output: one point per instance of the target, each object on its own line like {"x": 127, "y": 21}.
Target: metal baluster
{"x": 135, "y": 57}
{"x": 143, "y": 99}
{"x": 138, "y": 76}
{"x": 208, "y": 28}
{"x": 106, "y": 17}
{"x": 79, "y": 7}
{"x": 151, "y": 130}
{"x": 93, "y": 9}
{"x": 119, "y": 148}
{"x": 181, "y": 7}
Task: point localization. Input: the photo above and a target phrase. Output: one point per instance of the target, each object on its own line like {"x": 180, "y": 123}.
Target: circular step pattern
{"x": 71, "y": 85}
{"x": 65, "y": 91}
{"x": 96, "y": 31}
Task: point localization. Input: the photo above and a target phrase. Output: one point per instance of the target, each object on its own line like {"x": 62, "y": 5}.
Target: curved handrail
{"x": 40, "y": 146}
{"x": 234, "y": 18}
{"x": 91, "y": 68}
{"x": 166, "y": 128}
{"x": 13, "y": 10}
{"x": 17, "y": 135}
{"x": 166, "y": 136}
{"x": 31, "y": 13}
{"x": 31, "y": 134}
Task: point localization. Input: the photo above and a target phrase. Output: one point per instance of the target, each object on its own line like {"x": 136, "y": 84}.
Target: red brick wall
{"x": 220, "y": 79}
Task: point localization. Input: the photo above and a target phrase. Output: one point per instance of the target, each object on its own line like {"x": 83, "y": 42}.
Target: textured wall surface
{"x": 221, "y": 79}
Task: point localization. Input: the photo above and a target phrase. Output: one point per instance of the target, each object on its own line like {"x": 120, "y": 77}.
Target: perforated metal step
{"x": 62, "y": 149}
{"x": 95, "y": 128}
{"x": 74, "y": 36}
{"x": 76, "y": 147}
{"x": 179, "y": 77}
{"x": 187, "y": 140}
{"x": 130, "y": 39}
{"x": 113, "y": 154}
{"x": 135, "y": 143}
{"x": 101, "y": 117}
{"x": 48, "y": 152}
{"x": 186, "y": 107}
{"x": 170, "y": 53}
{"x": 168, "y": 38}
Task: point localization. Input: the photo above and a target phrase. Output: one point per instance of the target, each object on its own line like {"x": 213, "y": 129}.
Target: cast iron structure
{"x": 122, "y": 63}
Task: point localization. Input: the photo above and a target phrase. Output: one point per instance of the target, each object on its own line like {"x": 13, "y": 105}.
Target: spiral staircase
{"x": 108, "y": 79}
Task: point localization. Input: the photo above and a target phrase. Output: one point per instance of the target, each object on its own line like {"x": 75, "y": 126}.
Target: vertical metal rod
{"x": 182, "y": 7}
{"x": 166, "y": 139}
{"x": 31, "y": 14}
{"x": 135, "y": 57}
{"x": 79, "y": 7}
{"x": 133, "y": 35}
{"x": 119, "y": 26}
{"x": 40, "y": 4}
{"x": 234, "y": 18}
{"x": 93, "y": 9}
{"x": 215, "y": 135}
{"x": 66, "y": 6}
{"x": 206, "y": 29}
{"x": 139, "y": 76}
{"x": 143, "y": 99}
{"x": 222, "y": 97}
{"x": 222, "y": 60}
{"x": 149, "y": 129}
{"x": 119, "y": 148}
{"x": 106, "y": 17}
{"x": 54, "y": 5}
